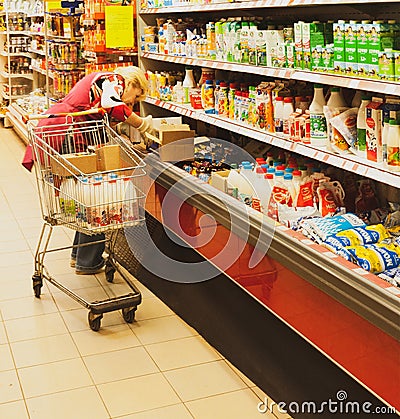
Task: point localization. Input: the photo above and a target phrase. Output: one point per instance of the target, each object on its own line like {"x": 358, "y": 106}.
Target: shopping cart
{"x": 90, "y": 180}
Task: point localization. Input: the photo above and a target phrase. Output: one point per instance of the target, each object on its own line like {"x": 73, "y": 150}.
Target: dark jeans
{"x": 88, "y": 258}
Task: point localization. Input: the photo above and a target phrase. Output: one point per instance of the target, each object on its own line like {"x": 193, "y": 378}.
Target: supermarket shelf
{"x": 22, "y": 33}
{"x": 251, "y": 5}
{"x": 37, "y": 51}
{"x": 39, "y": 70}
{"x": 16, "y": 76}
{"x": 13, "y": 97}
{"x": 379, "y": 86}
{"x": 351, "y": 163}
{"x": 15, "y": 115}
{"x": 15, "y": 54}
{"x": 36, "y": 33}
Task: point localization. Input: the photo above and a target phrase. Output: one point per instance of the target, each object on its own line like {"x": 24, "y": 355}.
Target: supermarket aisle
{"x": 53, "y": 365}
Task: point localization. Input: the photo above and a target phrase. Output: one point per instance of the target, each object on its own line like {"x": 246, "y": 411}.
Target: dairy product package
{"x": 321, "y": 228}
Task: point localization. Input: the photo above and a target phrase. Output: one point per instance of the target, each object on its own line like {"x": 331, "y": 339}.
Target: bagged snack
{"x": 361, "y": 235}
{"x": 345, "y": 125}
{"x": 305, "y": 195}
{"x": 374, "y": 258}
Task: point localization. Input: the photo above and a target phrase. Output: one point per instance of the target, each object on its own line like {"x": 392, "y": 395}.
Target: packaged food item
{"x": 359, "y": 236}
{"x": 375, "y": 259}
{"x": 345, "y": 125}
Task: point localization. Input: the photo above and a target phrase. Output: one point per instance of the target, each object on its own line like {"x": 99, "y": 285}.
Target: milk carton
{"x": 312, "y": 36}
{"x": 252, "y": 46}
{"x": 339, "y": 45}
{"x": 363, "y": 34}
{"x": 373, "y": 122}
{"x": 386, "y": 65}
{"x": 290, "y": 54}
{"x": 350, "y": 51}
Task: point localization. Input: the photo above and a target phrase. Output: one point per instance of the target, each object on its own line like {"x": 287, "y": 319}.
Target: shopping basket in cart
{"x": 90, "y": 180}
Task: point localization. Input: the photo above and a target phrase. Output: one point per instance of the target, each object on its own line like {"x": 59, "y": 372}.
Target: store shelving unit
{"x": 290, "y": 11}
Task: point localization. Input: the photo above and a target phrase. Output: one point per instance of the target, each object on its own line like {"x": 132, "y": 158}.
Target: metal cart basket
{"x": 90, "y": 180}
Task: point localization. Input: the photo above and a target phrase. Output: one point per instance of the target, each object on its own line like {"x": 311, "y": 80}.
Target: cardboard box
{"x": 79, "y": 163}
{"x": 220, "y": 180}
{"x": 176, "y": 142}
{"x": 108, "y": 157}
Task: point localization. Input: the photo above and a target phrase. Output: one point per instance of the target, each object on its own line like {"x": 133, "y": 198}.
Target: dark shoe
{"x": 97, "y": 271}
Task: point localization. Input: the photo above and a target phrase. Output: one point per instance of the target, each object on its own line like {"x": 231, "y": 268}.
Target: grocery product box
{"x": 290, "y": 54}
{"x": 77, "y": 163}
{"x": 396, "y": 65}
{"x": 293, "y": 121}
{"x": 252, "y": 46}
{"x": 312, "y": 36}
{"x": 175, "y": 140}
{"x": 108, "y": 157}
{"x": 363, "y": 33}
{"x": 298, "y": 44}
{"x": 350, "y": 51}
{"x": 316, "y": 58}
{"x": 386, "y": 65}
{"x": 339, "y": 46}
{"x": 327, "y": 58}
{"x": 220, "y": 180}
{"x": 261, "y": 47}
{"x": 373, "y": 120}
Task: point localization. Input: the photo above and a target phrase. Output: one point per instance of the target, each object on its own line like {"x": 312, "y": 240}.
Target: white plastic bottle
{"x": 357, "y": 99}
{"x": 179, "y": 94}
{"x": 336, "y": 99}
{"x": 247, "y": 177}
{"x": 278, "y": 114}
{"x": 361, "y": 126}
{"x": 188, "y": 83}
{"x": 393, "y": 146}
{"x": 261, "y": 190}
{"x": 288, "y": 109}
{"x": 296, "y": 185}
{"x": 318, "y": 128}
{"x": 288, "y": 181}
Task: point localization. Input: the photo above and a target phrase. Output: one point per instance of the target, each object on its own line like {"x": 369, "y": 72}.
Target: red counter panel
{"x": 362, "y": 349}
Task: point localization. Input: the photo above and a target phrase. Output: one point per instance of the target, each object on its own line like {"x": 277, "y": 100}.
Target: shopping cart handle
{"x": 92, "y": 111}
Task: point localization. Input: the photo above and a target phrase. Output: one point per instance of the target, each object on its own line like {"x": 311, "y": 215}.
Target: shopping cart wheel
{"x": 110, "y": 271}
{"x": 94, "y": 321}
{"x": 129, "y": 314}
{"x": 37, "y": 283}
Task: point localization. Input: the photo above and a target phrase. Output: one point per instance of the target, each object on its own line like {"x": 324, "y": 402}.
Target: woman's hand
{"x": 146, "y": 125}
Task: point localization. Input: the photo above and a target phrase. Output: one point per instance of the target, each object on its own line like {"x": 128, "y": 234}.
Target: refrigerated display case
{"x": 336, "y": 325}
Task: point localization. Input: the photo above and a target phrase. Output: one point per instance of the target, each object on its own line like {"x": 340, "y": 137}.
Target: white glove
{"x": 146, "y": 125}
{"x": 122, "y": 129}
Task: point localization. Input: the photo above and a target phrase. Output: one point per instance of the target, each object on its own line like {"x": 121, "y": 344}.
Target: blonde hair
{"x": 136, "y": 77}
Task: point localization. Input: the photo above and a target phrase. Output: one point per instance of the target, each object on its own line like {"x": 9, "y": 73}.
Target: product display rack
{"x": 385, "y": 294}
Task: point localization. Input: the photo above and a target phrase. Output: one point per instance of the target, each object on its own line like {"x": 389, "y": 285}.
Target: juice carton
{"x": 273, "y": 56}
{"x": 373, "y": 121}
{"x": 244, "y": 44}
{"x": 252, "y": 46}
{"x": 293, "y": 121}
{"x": 363, "y": 34}
{"x": 219, "y": 41}
{"x": 312, "y": 36}
{"x": 261, "y": 48}
{"x": 339, "y": 45}
{"x": 298, "y": 45}
{"x": 396, "y": 65}
{"x": 303, "y": 128}
{"x": 386, "y": 65}
{"x": 234, "y": 40}
{"x": 290, "y": 54}
{"x": 281, "y": 56}
{"x": 350, "y": 51}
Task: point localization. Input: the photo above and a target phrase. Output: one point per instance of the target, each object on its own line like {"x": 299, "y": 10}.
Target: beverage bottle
{"x": 278, "y": 114}
{"x": 179, "y": 95}
{"x": 223, "y": 109}
{"x": 188, "y": 83}
{"x": 336, "y": 99}
{"x": 116, "y": 197}
{"x": 288, "y": 109}
{"x": 318, "y": 128}
{"x": 246, "y": 183}
{"x": 261, "y": 190}
{"x": 288, "y": 180}
{"x": 357, "y": 99}
{"x": 67, "y": 203}
{"x": 361, "y": 126}
{"x": 393, "y": 146}
{"x": 231, "y": 100}
{"x": 385, "y": 133}
{"x": 207, "y": 97}
{"x": 216, "y": 95}
{"x": 238, "y": 105}
{"x": 252, "y": 114}
{"x": 296, "y": 185}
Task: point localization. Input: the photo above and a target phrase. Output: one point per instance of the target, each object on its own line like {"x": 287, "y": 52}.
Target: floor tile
{"x": 182, "y": 353}
{"x": 35, "y": 327}
{"x": 206, "y": 380}
{"x": 14, "y": 246}
{"x": 14, "y": 410}
{"x": 23, "y": 273}
{"x": 76, "y": 282}
{"x": 137, "y": 394}
{"x": 6, "y": 361}
{"x": 234, "y": 405}
{"x": 54, "y": 377}
{"x": 41, "y": 351}
{"x": 269, "y": 404}
{"x": 161, "y": 329}
{"x": 77, "y": 320}
{"x": 15, "y": 289}
{"x": 9, "y": 387}
{"x": 82, "y": 403}
{"x": 3, "y": 336}
{"x": 177, "y": 411}
{"x": 65, "y": 302}
{"x": 28, "y": 307}
{"x": 153, "y": 308}
{"x": 122, "y": 364}
{"x": 107, "y": 339}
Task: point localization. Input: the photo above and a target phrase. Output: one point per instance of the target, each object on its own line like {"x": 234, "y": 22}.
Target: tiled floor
{"x": 53, "y": 366}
